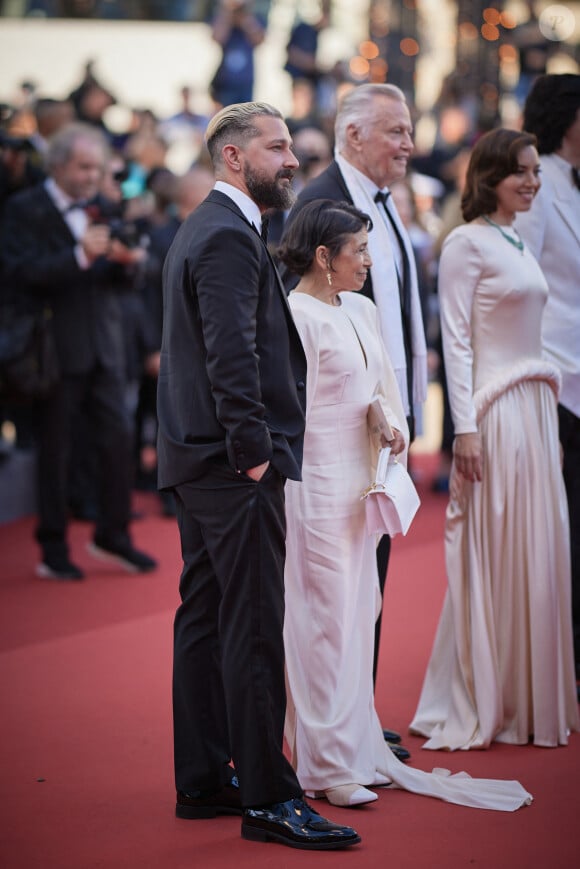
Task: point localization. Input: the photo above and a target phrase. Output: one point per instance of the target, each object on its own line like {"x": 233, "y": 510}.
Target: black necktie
{"x": 576, "y": 176}
{"x": 264, "y": 231}
{"x": 404, "y": 295}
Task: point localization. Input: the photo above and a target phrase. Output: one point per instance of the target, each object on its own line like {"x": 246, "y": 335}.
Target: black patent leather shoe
{"x": 391, "y": 736}
{"x": 209, "y": 804}
{"x": 295, "y": 824}
{"x": 400, "y": 752}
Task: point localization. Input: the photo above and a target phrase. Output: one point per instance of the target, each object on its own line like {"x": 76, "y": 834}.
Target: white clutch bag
{"x": 391, "y": 502}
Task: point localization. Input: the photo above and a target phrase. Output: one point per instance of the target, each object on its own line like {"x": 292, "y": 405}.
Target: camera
{"x": 127, "y": 232}
{"x": 110, "y": 214}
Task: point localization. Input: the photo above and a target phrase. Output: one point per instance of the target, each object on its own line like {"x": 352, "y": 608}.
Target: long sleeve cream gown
{"x": 502, "y": 665}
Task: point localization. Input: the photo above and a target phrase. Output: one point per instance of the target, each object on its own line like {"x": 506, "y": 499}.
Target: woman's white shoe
{"x": 349, "y": 795}
{"x": 380, "y": 781}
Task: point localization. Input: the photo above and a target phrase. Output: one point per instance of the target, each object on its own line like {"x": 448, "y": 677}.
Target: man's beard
{"x": 267, "y": 193}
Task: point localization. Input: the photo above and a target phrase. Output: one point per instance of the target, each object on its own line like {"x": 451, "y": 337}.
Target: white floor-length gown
{"x": 332, "y": 591}
{"x": 502, "y": 665}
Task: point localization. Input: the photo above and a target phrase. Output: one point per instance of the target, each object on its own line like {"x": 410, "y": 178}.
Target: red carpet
{"x": 85, "y": 750}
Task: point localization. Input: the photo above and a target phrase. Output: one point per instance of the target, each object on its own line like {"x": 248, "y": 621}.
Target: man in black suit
{"x": 231, "y": 399}
{"x": 373, "y": 138}
{"x": 53, "y": 255}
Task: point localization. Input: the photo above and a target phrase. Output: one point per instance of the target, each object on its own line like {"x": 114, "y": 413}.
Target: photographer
{"x": 53, "y": 253}
{"x": 128, "y": 248}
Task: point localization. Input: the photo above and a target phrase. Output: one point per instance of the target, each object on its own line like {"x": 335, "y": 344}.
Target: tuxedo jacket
{"x": 39, "y": 265}
{"x": 232, "y": 381}
{"x": 330, "y": 184}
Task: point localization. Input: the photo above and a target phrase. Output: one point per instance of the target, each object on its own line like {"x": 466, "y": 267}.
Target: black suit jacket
{"x": 232, "y": 383}
{"x": 330, "y": 184}
{"x": 39, "y": 264}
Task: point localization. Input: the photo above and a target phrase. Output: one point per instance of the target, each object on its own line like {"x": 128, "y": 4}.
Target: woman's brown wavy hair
{"x": 494, "y": 157}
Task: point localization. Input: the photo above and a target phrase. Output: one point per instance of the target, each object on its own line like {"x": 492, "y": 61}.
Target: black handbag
{"x": 28, "y": 358}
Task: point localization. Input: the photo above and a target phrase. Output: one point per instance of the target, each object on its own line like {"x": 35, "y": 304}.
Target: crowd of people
{"x": 221, "y": 334}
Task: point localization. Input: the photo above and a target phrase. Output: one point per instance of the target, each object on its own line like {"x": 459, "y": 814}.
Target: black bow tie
{"x": 76, "y": 206}
{"x": 576, "y": 177}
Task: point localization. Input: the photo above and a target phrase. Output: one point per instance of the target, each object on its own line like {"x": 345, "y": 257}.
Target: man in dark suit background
{"x": 53, "y": 255}
{"x": 231, "y": 400}
{"x": 373, "y": 139}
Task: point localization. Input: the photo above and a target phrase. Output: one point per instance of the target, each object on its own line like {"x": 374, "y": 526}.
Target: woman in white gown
{"x": 332, "y": 592}
{"x": 502, "y": 664}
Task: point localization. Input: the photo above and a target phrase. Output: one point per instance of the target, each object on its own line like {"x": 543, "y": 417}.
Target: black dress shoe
{"x": 123, "y": 554}
{"x": 391, "y": 736}
{"x": 400, "y": 752}
{"x": 59, "y": 567}
{"x": 295, "y": 824}
{"x": 208, "y": 804}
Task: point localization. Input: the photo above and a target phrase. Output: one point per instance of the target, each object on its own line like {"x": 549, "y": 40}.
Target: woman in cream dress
{"x": 332, "y": 591}
{"x": 502, "y": 664}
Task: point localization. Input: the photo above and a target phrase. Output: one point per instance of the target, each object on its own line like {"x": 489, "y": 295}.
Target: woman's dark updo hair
{"x": 320, "y": 222}
{"x": 494, "y": 157}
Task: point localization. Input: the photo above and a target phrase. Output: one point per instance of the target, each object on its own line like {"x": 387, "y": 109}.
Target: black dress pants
{"x": 98, "y": 396}
{"x": 383, "y": 553}
{"x": 229, "y": 696}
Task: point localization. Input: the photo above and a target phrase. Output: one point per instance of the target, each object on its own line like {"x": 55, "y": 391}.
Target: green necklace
{"x": 518, "y": 243}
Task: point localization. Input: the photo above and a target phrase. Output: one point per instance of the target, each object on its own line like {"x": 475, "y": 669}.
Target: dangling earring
{"x": 329, "y": 278}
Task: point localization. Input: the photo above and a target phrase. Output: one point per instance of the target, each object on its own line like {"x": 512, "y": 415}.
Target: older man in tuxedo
{"x": 231, "y": 400}
{"x": 551, "y": 229}
{"x": 373, "y": 139}
{"x": 54, "y": 255}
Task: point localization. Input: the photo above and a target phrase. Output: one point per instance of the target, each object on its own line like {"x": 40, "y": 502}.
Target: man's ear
{"x": 231, "y": 157}
{"x": 353, "y": 136}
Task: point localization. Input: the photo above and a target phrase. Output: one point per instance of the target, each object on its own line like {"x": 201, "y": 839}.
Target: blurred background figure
{"x": 183, "y": 131}
{"x": 303, "y": 65}
{"x": 111, "y": 209}
{"x": 189, "y": 191}
{"x": 302, "y": 49}
{"x": 50, "y": 116}
{"x": 313, "y": 150}
{"x": 533, "y": 51}
{"x": 17, "y": 168}
{"x": 238, "y": 30}
{"x": 551, "y": 229}
{"x": 91, "y": 99}
{"x": 56, "y": 253}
